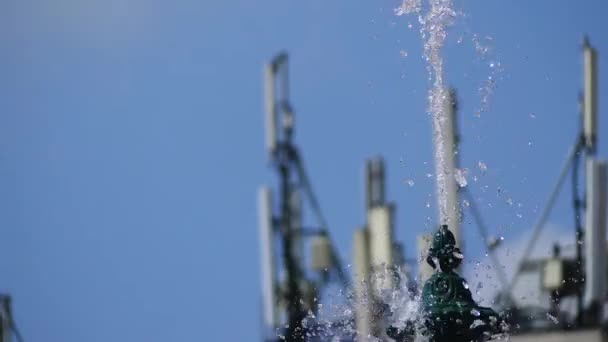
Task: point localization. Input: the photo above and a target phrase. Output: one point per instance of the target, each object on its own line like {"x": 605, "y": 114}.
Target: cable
{"x": 317, "y": 210}
{"x": 483, "y": 231}
{"x": 7, "y": 315}
{"x": 545, "y": 213}
{"x": 16, "y": 332}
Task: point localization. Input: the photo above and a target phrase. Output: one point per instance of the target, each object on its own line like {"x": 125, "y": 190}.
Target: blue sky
{"x": 131, "y": 144}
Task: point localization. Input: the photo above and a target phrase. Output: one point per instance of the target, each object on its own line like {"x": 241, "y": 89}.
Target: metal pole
{"x": 579, "y": 235}
{"x": 6, "y": 320}
{"x": 450, "y": 149}
{"x": 295, "y": 330}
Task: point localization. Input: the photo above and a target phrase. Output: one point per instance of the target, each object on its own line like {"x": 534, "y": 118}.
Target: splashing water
{"x": 334, "y": 320}
{"x": 399, "y": 304}
{"x": 486, "y": 89}
{"x": 440, "y": 14}
{"x": 402, "y": 305}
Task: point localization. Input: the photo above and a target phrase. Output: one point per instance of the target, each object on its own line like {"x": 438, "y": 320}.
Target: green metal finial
{"x": 443, "y": 252}
{"x": 449, "y": 313}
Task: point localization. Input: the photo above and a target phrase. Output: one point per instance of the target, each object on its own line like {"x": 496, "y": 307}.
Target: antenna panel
{"x": 267, "y": 257}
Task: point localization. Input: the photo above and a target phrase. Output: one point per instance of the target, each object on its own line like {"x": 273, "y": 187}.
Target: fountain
{"x": 448, "y": 311}
{"x": 444, "y": 311}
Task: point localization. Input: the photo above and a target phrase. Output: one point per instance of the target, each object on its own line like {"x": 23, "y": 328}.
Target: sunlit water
{"x": 335, "y": 317}
{"x": 434, "y": 18}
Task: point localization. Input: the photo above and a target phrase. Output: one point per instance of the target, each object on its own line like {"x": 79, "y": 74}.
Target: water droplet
{"x": 478, "y": 288}
{"x": 482, "y": 166}
{"x": 460, "y": 176}
{"x": 403, "y": 53}
{"x": 475, "y": 312}
{"x": 552, "y": 318}
{"x": 410, "y": 182}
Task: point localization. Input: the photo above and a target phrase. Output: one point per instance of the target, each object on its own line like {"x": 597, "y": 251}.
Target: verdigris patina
{"x": 449, "y": 313}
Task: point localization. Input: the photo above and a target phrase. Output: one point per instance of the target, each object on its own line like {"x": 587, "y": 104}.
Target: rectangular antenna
{"x": 270, "y": 116}
{"x": 380, "y": 226}
{"x": 595, "y": 233}
{"x": 361, "y": 263}
{"x": 267, "y": 257}
{"x": 589, "y": 96}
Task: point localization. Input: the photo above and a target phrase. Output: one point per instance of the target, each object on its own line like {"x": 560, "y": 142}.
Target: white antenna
{"x": 270, "y": 110}
{"x": 589, "y": 95}
{"x": 380, "y": 225}
{"x": 595, "y": 233}
{"x": 276, "y": 102}
{"x": 266, "y": 226}
{"x": 361, "y": 289}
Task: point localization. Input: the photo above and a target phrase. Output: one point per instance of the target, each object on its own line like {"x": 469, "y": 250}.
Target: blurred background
{"x": 132, "y": 147}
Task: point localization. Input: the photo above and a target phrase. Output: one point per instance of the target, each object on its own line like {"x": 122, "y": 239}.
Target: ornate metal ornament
{"x": 449, "y": 313}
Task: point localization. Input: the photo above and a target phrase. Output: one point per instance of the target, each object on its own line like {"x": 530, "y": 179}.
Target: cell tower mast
{"x": 295, "y": 293}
